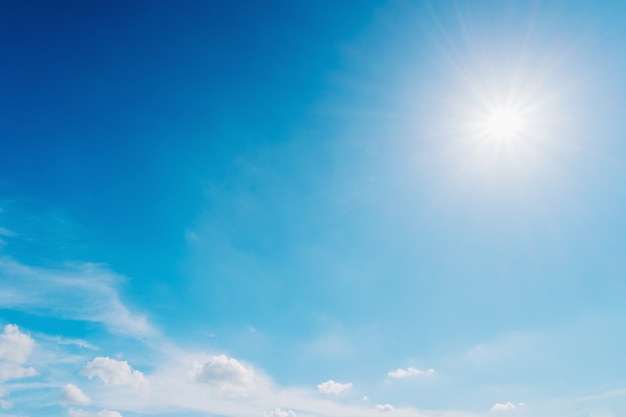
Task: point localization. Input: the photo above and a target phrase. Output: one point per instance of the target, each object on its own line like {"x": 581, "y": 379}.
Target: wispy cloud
{"x": 71, "y": 394}
{"x": 67, "y": 341}
{"x": 72, "y": 412}
{"x": 77, "y": 291}
{"x": 277, "y": 412}
{"x": 409, "y": 372}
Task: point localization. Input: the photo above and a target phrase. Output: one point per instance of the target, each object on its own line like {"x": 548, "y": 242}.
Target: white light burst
{"x": 504, "y": 123}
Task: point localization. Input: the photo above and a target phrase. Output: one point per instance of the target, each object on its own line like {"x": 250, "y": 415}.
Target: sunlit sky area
{"x": 287, "y": 208}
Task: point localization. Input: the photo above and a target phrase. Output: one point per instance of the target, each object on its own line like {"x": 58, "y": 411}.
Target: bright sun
{"x": 504, "y": 123}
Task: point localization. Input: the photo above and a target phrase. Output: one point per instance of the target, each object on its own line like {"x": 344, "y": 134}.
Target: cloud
{"x": 108, "y": 413}
{"x": 77, "y": 291}
{"x": 277, "y": 412}
{"x": 4, "y": 404}
{"x": 73, "y": 395}
{"x": 68, "y": 341}
{"x": 15, "y": 349}
{"x": 5, "y": 232}
{"x": 384, "y": 408}
{"x": 503, "y": 406}
{"x": 227, "y": 375}
{"x": 72, "y": 412}
{"x": 114, "y": 373}
{"x": 332, "y": 387}
{"x": 408, "y": 372}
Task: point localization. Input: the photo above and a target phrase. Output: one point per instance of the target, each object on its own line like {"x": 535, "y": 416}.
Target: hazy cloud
{"x": 227, "y": 375}
{"x": 332, "y": 387}
{"x": 384, "y": 407}
{"x": 113, "y": 373}
{"x": 503, "y": 406}
{"x": 277, "y": 412}
{"x": 71, "y": 394}
{"x": 15, "y": 349}
{"x": 408, "y": 372}
{"x": 72, "y": 412}
{"x": 77, "y": 291}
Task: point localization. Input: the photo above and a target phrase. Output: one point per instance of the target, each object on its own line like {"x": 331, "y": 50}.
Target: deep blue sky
{"x": 317, "y": 191}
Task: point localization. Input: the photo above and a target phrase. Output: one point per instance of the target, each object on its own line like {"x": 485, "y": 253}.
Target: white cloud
{"x": 4, "y": 404}
{"x": 71, "y": 394}
{"x": 277, "y": 412}
{"x": 15, "y": 349}
{"x": 384, "y": 408}
{"x": 227, "y": 375}
{"x": 114, "y": 373}
{"x": 14, "y": 345}
{"x": 503, "y": 406}
{"x": 77, "y": 291}
{"x": 332, "y": 387}
{"x": 5, "y": 232}
{"x": 108, "y": 413}
{"x": 72, "y": 412}
{"x": 408, "y": 372}
{"x": 68, "y": 341}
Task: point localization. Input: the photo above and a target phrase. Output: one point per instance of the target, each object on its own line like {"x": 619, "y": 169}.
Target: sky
{"x": 323, "y": 208}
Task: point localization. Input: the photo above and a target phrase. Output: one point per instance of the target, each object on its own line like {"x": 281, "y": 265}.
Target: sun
{"x": 504, "y": 123}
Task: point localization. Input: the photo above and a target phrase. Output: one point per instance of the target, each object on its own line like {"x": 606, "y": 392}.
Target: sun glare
{"x": 504, "y": 123}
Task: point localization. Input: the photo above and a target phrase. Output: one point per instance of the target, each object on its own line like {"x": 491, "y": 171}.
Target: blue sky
{"x": 329, "y": 209}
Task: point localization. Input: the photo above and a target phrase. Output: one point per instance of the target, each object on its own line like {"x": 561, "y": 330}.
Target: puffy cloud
{"x": 15, "y": 349}
{"x": 383, "y": 408}
{"x": 14, "y": 345}
{"x": 73, "y": 395}
{"x": 332, "y": 387}
{"x": 277, "y": 412}
{"x": 227, "y": 375}
{"x": 114, "y": 373}
{"x": 503, "y": 406}
{"x": 408, "y": 372}
{"x": 72, "y": 412}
